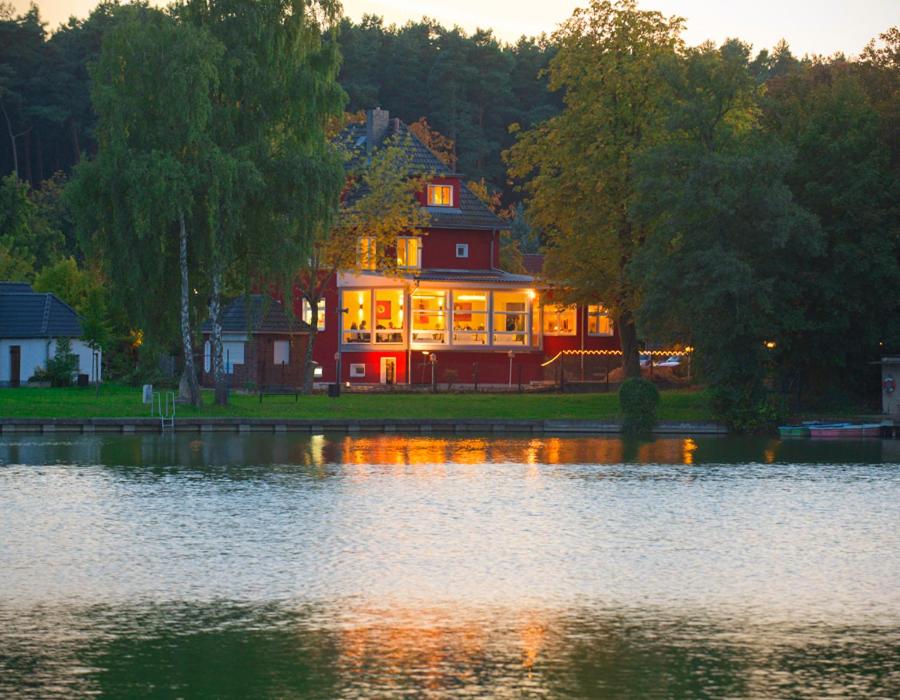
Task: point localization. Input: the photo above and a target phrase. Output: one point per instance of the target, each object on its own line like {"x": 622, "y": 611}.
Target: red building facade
{"x": 451, "y": 314}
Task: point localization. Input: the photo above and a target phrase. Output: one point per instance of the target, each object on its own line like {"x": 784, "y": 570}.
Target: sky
{"x": 809, "y": 26}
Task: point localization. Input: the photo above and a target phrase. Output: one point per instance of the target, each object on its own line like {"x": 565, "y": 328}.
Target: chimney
{"x": 376, "y": 127}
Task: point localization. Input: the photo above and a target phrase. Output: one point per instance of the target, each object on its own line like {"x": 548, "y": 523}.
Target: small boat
{"x": 871, "y": 429}
{"x": 836, "y": 430}
{"x": 793, "y": 431}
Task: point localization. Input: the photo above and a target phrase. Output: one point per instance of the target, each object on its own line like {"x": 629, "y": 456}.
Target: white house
{"x": 30, "y": 325}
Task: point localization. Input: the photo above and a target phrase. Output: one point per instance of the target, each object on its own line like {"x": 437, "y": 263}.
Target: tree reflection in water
{"x": 237, "y": 650}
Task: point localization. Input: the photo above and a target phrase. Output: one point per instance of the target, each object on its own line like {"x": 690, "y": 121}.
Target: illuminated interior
{"x": 389, "y": 315}
{"x": 511, "y": 317}
{"x": 599, "y": 322}
{"x": 409, "y": 252}
{"x": 470, "y": 313}
{"x": 440, "y": 195}
{"x": 560, "y": 320}
{"x": 429, "y": 316}
{"x": 358, "y": 318}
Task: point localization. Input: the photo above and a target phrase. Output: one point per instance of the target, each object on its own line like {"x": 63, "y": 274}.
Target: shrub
{"x": 62, "y": 366}
{"x": 638, "y": 400}
{"x": 747, "y": 409}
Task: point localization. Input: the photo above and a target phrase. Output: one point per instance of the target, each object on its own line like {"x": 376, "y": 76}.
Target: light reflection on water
{"x": 373, "y": 566}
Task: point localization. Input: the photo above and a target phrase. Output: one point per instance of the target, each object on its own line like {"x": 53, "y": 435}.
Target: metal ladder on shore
{"x": 163, "y": 405}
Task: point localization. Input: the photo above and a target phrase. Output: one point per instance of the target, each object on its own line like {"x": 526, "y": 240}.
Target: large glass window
{"x": 409, "y": 252}
{"x": 429, "y": 316}
{"x": 358, "y": 319}
{"x": 440, "y": 195}
{"x": 388, "y": 315}
{"x": 307, "y": 314}
{"x": 511, "y": 318}
{"x": 560, "y": 320}
{"x": 599, "y": 322}
{"x": 470, "y": 317}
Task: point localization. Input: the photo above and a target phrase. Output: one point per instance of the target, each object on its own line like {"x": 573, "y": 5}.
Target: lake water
{"x": 335, "y": 566}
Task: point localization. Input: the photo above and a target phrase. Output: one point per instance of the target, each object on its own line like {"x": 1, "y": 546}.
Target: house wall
{"x": 34, "y": 354}
{"x": 439, "y": 250}
{"x": 259, "y": 368}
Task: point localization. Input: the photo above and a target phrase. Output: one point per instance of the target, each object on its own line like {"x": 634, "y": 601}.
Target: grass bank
{"x": 125, "y": 402}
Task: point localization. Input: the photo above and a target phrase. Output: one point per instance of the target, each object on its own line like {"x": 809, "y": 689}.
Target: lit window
{"x": 511, "y": 318}
{"x": 389, "y": 316}
{"x": 358, "y": 319}
{"x": 282, "y": 352}
{"x": 470, "y": 316}
{"x": 307, "y": 314}
{"x": 365, "y": 254}
{"x": 440, "y": 195}
{"x": 409, "y": 252}
{"x": 599, "y": 322}
{"x": 560, "y": 320}
{"x": 429, "y": 316}
{"x": 462, "y": 250}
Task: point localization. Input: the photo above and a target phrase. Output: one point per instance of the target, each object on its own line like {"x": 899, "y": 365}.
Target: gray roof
{"x": 257, "y": 313}
{"x": 492, "y": 276}
{"x": 470, "y": 214}
{"x": 25, "y": 313}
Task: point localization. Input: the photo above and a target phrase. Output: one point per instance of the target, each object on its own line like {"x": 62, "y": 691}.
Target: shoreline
{"x": 348, "y": 425}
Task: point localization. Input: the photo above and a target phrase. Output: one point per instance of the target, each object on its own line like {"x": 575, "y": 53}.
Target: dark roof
{"x": 25, "y": 313}
{"x": 471, "y": 213}
{"x": 257, "y": 313}
{"x": 533, "y": 263}
{"x": 491, "y": 276}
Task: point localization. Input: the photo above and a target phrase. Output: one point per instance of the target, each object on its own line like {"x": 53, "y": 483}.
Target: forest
{"x": 746, "y": 203}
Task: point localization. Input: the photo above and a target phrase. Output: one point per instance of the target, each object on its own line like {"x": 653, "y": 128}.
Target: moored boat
{"x": 836, "y": 430}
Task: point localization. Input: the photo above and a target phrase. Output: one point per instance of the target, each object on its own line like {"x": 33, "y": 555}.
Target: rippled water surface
{"x": 388, "y": 566}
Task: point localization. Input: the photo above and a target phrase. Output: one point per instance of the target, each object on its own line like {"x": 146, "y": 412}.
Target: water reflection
{"x": 201, "y": 451}
{"x": 330, "y": 566}
{"x": 231, "y": 649}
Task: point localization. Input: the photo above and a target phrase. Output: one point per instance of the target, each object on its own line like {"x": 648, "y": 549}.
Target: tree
{"x": 277, "y": 179}
{"x": 721, "y": 266}
{"x": 152, "y": 88}
{"x": 577, "y": 166}
{"x": 379, "y": 204}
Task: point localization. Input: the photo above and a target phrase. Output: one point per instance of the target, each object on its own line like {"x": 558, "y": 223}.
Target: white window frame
{"x": 443, "y": 336}
{"x": 462, "y": 250}
{"x": 435, "y": 187}
{"x": 502, "y": 333}
{"x": 285, "y": 345}
{"x": 357, "y": 370}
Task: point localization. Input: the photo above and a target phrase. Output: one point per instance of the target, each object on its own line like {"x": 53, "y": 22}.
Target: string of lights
{"x": 618, "y": 353}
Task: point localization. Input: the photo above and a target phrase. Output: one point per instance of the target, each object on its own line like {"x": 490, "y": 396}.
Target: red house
{"x": 452, "y": 311}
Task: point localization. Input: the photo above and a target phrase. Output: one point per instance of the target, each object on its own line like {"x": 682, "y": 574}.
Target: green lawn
{"x": 120, "y": 402}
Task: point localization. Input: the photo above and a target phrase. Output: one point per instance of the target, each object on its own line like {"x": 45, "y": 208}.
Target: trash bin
{"x": 84, "y": 380}
{"x": 334, "y": 390}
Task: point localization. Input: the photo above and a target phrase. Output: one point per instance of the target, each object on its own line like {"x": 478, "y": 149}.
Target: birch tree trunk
{"x": 310, "y": 344}
{"x": 215, "y": 306}
{"x": 188, "y": 388}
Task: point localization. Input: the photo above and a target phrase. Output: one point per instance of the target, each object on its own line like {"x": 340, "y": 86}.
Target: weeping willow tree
{"x": 275, "y": 179}
{"x": 151, "y": 88}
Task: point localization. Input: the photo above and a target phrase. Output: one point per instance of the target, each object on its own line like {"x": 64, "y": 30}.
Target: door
{"x": 388, "y": 370}
{"x": 15, "y": 365}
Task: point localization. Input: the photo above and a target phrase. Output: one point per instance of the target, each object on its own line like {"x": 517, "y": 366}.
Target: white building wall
{"x": 34, "y": 354}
